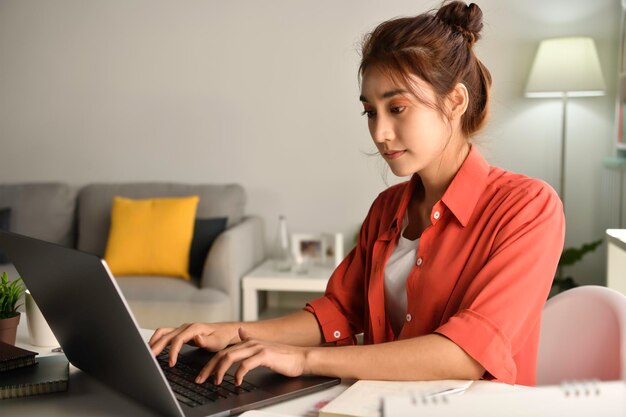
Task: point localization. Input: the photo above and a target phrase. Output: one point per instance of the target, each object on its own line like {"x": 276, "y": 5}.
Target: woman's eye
{"x": 369, "y": 113}
{"x": 398, "y": 109}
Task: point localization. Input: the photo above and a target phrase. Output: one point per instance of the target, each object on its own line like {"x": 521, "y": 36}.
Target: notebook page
{"x": 364, "y": 398}
{"x": 596, "y": 399}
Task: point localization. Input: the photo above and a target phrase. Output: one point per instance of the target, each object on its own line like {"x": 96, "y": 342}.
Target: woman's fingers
{"x": 250, "y": 354}
{"x": 158, "y": 333}
{"x": 211, "y": 342}
{"x": 247, "y": 365}
{"x": 187, "y": 333}
{"x": 173, "y": 337}
{"x": 207, "y": 336}
{"x": 243, "y": 334}
{"x": 219, "y": 364}
{"x": 161, "y": 339}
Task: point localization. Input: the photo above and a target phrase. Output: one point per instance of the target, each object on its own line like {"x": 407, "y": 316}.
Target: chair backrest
{"x": 583, "y": 336}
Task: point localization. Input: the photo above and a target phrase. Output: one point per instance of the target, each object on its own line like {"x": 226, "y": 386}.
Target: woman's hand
{"x": 212, "y": 337}
{"x": 252, "y": 353}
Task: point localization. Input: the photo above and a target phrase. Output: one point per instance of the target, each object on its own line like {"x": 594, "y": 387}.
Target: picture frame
{"x": 333, "y": 249}
{"x": 308, "y": 248}
{"x": 324, "y": 249}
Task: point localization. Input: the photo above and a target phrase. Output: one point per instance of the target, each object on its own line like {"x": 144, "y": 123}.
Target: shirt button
{"x": 419, "y": 262}
{"x": 337, "y": 334}
{"x": 408, "y": 317}
{"x": 437, "y": 215}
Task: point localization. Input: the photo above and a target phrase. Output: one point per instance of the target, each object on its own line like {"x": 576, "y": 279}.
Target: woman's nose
{"x": 381, "y": 130}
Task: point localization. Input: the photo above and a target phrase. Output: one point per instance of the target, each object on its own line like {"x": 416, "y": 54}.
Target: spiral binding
{"x": 583, "y": 388}
{"x": 429, "y": 400}
{"x": 570, "y": 389}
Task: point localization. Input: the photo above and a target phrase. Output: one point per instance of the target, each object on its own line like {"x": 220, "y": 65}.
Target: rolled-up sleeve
{"x": 340, "y": 311}
{"x": 502, "y": 306}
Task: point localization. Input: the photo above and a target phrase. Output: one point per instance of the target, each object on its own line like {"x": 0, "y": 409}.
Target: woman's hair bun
{"x": 464, "y": 19}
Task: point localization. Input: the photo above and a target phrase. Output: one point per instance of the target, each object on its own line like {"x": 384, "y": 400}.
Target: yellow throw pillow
{"x": 151, "y": 236}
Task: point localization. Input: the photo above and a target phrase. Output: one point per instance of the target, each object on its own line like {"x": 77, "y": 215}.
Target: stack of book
{"x": 21, "y": 374}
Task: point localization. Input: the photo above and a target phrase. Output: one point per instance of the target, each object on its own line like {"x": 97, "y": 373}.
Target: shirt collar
{"x": 462, "y": 194}
{"x": 467, "y": 186}
{"x": 404, "y": 201}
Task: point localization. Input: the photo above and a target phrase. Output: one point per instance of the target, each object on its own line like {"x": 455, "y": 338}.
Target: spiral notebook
{"x": 364, "y": 398}
{"x": 587, "y": 399}
{"x": 50, "y": 374}
{"x": 13, "y": 357}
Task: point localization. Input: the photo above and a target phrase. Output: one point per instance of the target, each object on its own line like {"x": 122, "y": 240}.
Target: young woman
{"x": 451, "y": 269}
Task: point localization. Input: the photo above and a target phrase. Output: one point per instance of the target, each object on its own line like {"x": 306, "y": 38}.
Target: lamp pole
{"x": 563, "y": 139}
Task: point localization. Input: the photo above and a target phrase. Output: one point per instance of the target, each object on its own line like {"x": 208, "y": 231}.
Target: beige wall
{"x": 265, "y": 93}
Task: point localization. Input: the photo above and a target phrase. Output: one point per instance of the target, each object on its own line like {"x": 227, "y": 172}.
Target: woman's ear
{"x": 458, "y": 99}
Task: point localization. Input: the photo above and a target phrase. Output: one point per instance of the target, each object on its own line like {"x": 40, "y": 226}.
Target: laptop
{"x": 90, "y": 318}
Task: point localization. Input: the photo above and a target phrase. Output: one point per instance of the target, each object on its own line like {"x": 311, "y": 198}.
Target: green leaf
{"x": 572, "y": 255}
{"x": 10, "y": 294}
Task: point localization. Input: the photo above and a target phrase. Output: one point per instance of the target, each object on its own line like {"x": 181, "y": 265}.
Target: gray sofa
{"x": 80, "y": 218}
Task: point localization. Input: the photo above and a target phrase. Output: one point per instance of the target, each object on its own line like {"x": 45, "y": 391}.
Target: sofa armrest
{"x": 235, "y": 252}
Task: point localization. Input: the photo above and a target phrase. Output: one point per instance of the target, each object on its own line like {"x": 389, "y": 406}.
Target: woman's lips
{"x": 394, "y": 154}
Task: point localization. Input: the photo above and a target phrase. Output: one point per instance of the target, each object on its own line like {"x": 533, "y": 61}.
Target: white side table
{"x": 616, "y": 259}
{"x": 266, "y": 278}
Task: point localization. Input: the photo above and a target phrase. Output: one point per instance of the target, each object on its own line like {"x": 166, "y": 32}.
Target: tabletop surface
{"x": 88, "y": 397}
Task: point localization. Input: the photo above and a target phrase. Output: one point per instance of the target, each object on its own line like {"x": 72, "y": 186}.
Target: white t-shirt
{"x": 397, "y": 270}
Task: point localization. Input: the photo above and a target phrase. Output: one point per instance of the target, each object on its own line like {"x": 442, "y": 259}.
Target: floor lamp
{"x": 564, "y": 68}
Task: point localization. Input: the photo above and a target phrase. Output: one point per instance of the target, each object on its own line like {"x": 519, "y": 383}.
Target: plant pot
{"x": 8, "y": 329}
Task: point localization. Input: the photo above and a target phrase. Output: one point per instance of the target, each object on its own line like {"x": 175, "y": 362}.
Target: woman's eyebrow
{"x": 385, "y": 95}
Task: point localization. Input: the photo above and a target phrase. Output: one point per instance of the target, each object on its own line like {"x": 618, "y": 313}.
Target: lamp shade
{"x": 566, "y": 67}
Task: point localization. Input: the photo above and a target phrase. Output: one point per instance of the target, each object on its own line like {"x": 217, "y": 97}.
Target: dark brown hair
{"x": 436, "y": 47}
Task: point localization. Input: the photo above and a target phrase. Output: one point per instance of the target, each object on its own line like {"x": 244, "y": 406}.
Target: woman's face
{"x": 409, "y": 134}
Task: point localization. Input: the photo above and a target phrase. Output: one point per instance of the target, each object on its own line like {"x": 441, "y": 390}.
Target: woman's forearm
{"x": 297, "y": 329}
{"x": 422, "y": 358}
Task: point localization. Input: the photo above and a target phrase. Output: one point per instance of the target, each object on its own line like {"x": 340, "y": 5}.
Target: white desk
{"x": 266, "y": 278}
{"x": 88, "y": 397}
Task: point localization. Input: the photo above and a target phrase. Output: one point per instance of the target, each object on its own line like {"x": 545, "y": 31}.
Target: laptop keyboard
{"x": 182, "y": 376}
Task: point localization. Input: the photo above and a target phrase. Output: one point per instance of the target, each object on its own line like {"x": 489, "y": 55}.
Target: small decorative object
{"x": 38, "y": 329}
{"x": 324, "y": 249}
{"x": 333, "y": 253}
{"x": 10, "y": 294}
{"x": 308, "y": 249}
{"x": 282, "y": 252}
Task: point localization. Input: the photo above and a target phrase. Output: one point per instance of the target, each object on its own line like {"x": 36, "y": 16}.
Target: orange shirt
{"x": 483, "y": 271}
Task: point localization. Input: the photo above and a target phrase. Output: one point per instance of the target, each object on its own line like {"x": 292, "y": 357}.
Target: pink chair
{"x": 583, "y": 336}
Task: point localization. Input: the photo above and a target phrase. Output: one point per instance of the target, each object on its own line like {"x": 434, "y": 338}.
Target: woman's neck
{"x": 438, "y": 175}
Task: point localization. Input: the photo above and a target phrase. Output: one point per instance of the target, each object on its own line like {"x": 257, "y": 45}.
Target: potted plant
{"x": 569, "y": 257}
{"x": 10, "y": 294}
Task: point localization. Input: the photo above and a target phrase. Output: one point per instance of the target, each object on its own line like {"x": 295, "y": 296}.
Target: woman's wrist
{"x": 313, "y": 359}
{"x": 232, "y": 329}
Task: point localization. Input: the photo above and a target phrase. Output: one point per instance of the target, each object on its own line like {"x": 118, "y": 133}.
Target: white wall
{"x": 266, "y": 94}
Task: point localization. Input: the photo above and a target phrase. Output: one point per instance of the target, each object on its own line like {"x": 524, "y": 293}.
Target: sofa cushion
{"x": 169, "y": 302}
{"x": 95, "y": 201}
{"x": 41, "y": 210}
{"x": 151, "y": 236}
